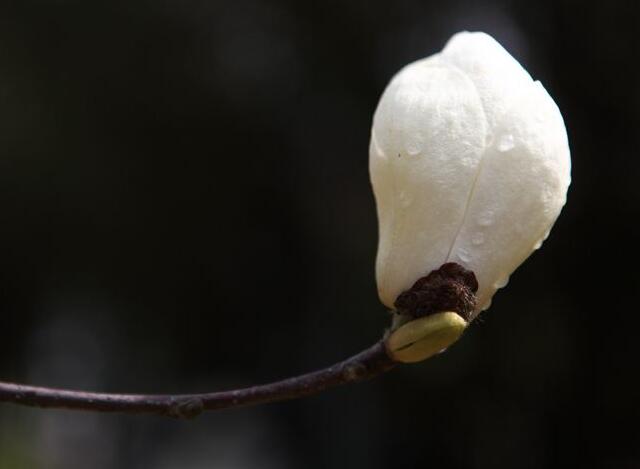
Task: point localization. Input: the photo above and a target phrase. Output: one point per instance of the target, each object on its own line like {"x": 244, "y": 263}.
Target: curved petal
{"x": 427, "y": 140}
{"x": 498, "y": 77}
{"x": 520, "y": 191}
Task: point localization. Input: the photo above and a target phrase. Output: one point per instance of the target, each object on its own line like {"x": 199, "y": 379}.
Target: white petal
{"x": 519, "y": 193}
{"x": 497, "y": 76}
{"x": 427, "y": 140}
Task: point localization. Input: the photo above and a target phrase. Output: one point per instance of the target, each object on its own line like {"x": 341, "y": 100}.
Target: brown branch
{"x": 449, "y": 287}
{"x": 365, "y": 365}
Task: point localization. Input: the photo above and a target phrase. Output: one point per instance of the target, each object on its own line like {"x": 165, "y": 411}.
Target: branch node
{"x": 186, "y": 408}
{"x": 354, "y": 372}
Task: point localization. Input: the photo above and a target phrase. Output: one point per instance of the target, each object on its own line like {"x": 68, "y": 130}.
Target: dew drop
{"x": 485, "y": 218}
{"x": 501, "y": 283}
{"x": 405, "y": 199}
{"x": 413, "y": 148}
{"x": 477, "y": 239}
{"x": 463, "y": 255}
{"x": 377, "y": 151}
{"x": 506, "y": 143}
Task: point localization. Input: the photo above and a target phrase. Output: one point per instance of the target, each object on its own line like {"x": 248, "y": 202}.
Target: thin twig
{"x": 365, "y": 365}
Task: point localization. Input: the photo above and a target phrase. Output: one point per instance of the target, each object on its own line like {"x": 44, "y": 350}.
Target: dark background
{"x": 185, "y": 206}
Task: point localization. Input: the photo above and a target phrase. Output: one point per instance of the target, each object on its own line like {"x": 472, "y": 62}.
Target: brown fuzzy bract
{"x": 449, "y": 288}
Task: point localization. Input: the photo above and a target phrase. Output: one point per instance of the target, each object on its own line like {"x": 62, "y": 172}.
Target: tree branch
{"x": 365, "y": 365}
{"x": 428, "y": 328}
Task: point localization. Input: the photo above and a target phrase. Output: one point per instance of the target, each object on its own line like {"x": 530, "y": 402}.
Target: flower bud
{"x": 469, "y": 163}
{"x": 424, "y": 337}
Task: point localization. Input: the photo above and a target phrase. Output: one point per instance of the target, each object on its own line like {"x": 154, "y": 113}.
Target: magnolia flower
{"x": 469, "y": 163}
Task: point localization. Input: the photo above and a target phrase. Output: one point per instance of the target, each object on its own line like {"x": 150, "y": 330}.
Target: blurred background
{"x": 185, "y": 206}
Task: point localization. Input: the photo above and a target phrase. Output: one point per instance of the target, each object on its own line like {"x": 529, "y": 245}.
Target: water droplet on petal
{"x": 463, "y": 255}
{"x": 485, "y": 218}
{"x": 477, "y": 239}
{"x": 501, "y": 283}
{"x": 413, "y": 148}
{"x": 377, "y": 151}
{"x": 405, "y": 199}
{"x": 506, "y": 142}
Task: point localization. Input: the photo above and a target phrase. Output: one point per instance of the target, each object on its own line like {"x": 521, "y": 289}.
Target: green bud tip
{"x": 424, "y": 337}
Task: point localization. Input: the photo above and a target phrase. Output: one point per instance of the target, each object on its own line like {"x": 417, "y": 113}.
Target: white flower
{"x": 469, "y": 163}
